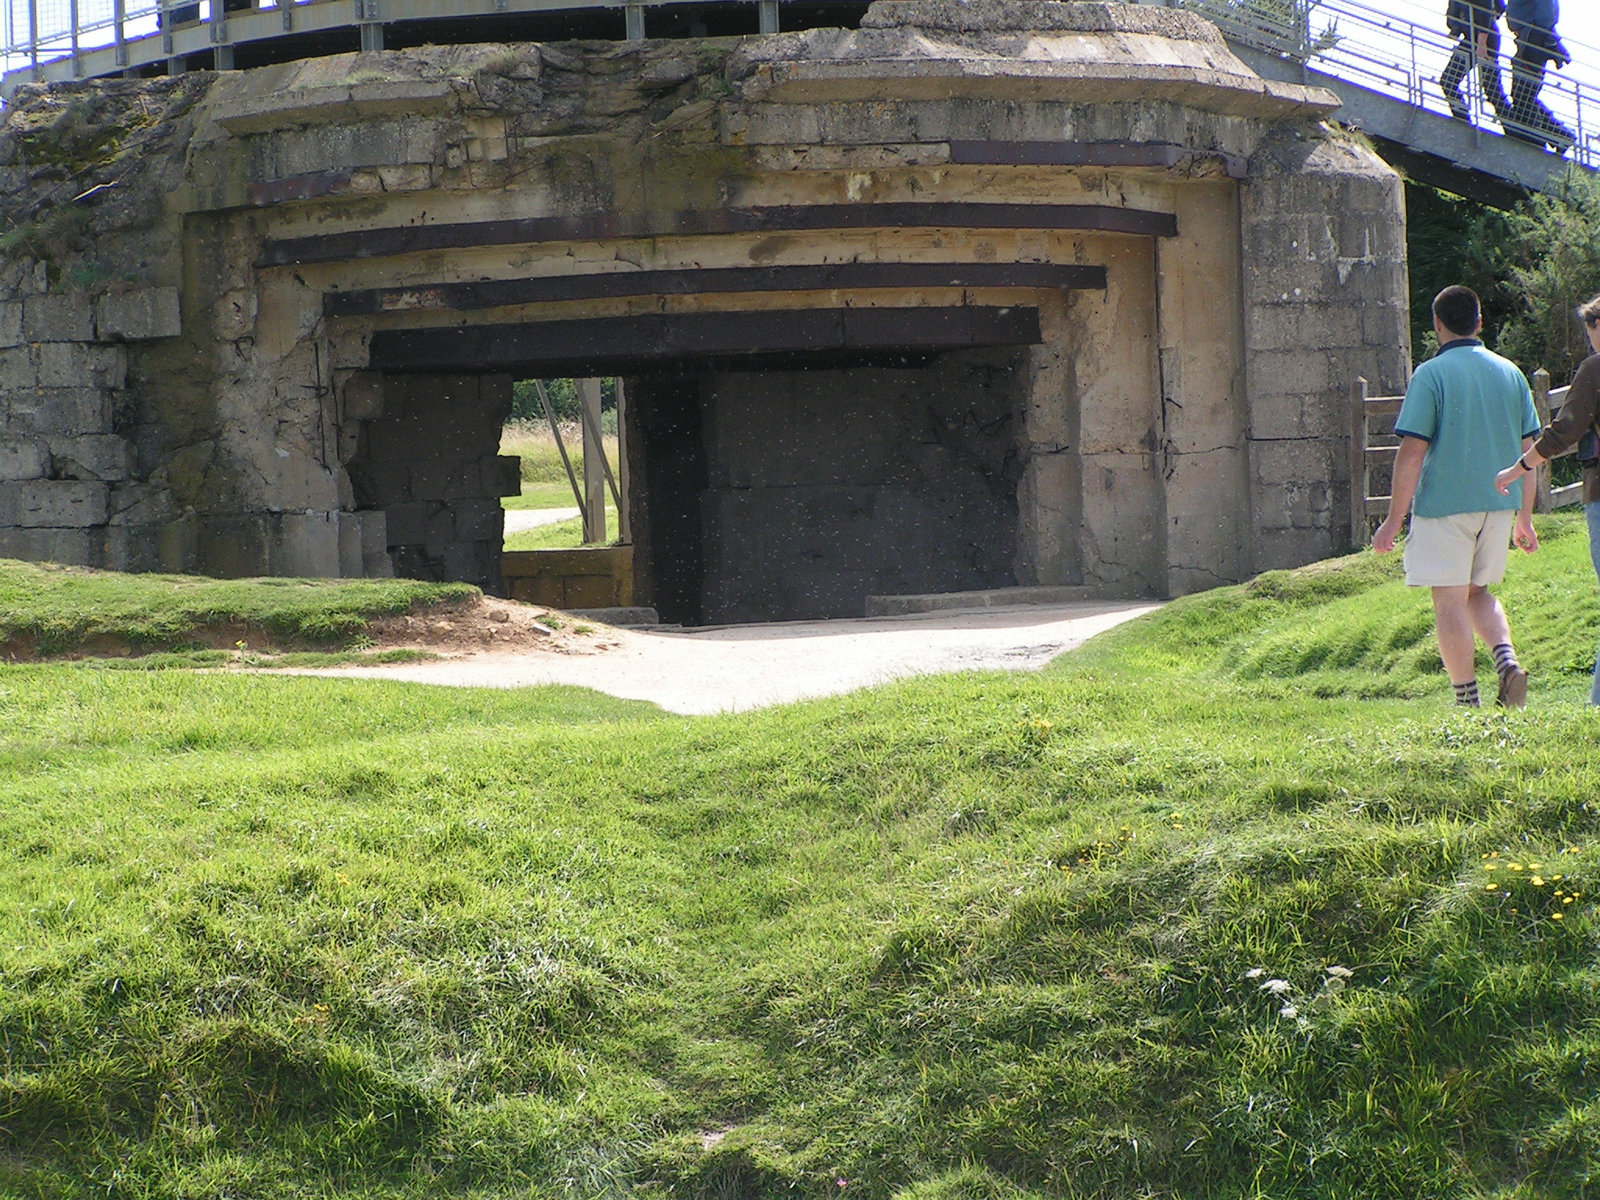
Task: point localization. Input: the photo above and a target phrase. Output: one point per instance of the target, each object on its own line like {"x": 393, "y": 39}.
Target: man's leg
{"x": 1450, "y": 82}
{"x": 1490, "y": 624}
{"x": 1453, "y": 622}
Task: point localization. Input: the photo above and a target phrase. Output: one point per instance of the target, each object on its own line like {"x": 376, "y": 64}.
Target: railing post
{"x": 1541, "y": 408}
{"x": 33, "y": 36}
{"x": 72, "y": 16}
{"x": 1358, "y": 463}
{"x": 119, "y": 16}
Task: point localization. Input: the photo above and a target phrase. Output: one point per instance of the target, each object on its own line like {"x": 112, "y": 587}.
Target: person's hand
{"x": 1524, "y": 536}
{"x": 1383, "y": 537}
{"x": 1504, "y": 480}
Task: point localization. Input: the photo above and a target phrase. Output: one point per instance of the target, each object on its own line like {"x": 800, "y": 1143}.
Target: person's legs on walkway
{"x": 1450, "y": 82}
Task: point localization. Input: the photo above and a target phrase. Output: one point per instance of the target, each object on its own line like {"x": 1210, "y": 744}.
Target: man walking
{"x": 1533, "y": 24}
{"x": 1466, "y": 412}
{"x": 1476, "y": 26}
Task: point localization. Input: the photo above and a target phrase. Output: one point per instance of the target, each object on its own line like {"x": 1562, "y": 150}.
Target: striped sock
{"x": 1467, "y": 693}
{"x": 1505, "y": 659}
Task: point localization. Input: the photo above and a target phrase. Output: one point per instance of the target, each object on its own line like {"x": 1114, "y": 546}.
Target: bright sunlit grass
{"x": 1231, "y": 903}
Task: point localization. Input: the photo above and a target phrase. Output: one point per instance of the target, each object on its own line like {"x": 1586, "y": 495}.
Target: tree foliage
{"x": 563, "y": 393}
{"x": 1550, "y": 260}
{"x": 1532, "y": 267}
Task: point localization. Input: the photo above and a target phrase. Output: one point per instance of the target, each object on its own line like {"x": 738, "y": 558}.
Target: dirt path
{"x": 734, "y": 668}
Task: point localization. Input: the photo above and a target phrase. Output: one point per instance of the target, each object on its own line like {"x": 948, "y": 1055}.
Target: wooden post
{"x": 1358, "y": 464}
{"x": 594, "y": 464}
{"x": 624, "y": 521}
{"x": 1541, "y": 408}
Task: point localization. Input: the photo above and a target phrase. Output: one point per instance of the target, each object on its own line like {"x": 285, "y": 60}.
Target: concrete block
{"x": 52, "y": 503}
{"x": 74, "y": 411}
{"x": 19, "y": 369}
{"x": 11, "y": 323}
{"x": 26, "y": 459}
{"x": 141, "y": 504}
{"x": 132, "y": 548}
{"x": 419, "y": 523}
{"x": 478, "y": 520}
{"x": 102, "y": 456}
{"x": 76, "y": 547}
{"x": 363, "y": 396}
{"x": 58, "y": 317}
{"x": 74, "y": 364}
{"x": 502, "y": 475}
{"x": 303, "y": 545}
{"x": 141, "y": 315}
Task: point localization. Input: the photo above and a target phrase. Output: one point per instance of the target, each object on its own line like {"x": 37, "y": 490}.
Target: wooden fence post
{"x": 1358, "y": 464}
{"x": 1541, "y": 408}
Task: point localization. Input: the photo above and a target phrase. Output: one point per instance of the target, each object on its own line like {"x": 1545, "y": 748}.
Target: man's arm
{"x": 1407, "y": 471}
{"x": 1524, "y": 536}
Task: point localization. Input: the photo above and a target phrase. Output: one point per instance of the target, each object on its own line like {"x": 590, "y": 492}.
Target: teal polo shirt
{"x": 1473, "y": 408}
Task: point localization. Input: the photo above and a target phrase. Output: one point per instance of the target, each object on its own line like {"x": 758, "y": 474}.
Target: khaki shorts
{"x": 1460, "y": 549}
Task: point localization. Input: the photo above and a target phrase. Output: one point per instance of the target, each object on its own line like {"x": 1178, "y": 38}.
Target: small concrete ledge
{"x": 631, "y": 616}
{"x": 899, "y": 606}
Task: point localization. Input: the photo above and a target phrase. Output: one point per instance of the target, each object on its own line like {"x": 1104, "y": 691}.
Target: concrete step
{"x": 899, "y": 606}
{"x": 633, "y": 615}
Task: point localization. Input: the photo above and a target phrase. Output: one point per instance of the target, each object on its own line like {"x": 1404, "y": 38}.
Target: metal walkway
{"x": 1385, "y": 69}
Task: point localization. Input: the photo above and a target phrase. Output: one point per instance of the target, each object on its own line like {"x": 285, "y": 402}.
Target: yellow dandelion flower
{"x": 1494, "y": 854}
{"x": 1566, "y": 899}
{"x": 1491, "y": 866}
{"x": 1557, "y": 916}
{"x": 1490, "y": 887}
{"x": 1537, "y": 881}
{"x": 1516, "y": 866}
{"x": 1558, "y": 877}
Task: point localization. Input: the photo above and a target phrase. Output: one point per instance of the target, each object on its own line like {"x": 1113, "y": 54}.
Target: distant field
{"x": 545, "y": 484}
{"x": 1231, "y": 903}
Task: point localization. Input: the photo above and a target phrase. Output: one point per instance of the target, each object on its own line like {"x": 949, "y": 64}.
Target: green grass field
{"x": 1230, "y": 903}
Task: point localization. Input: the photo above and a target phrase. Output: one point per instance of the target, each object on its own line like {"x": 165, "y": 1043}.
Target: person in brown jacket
{"x": 1578, "y": 422}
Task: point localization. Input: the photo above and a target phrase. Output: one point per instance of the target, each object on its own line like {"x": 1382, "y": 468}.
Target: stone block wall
{"x": 69, "y": 490}
{"x": 1323, "y": 232}
{"x": 428, "y": 467}
{"x": 825, "y": 487}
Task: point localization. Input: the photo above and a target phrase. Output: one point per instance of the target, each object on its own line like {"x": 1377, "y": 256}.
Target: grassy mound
{"x": 1197, "y": 912}
{"x": 48, "y": 610}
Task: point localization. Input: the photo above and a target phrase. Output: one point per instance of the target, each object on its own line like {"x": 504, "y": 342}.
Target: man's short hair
{"x": 1590, "y": 311}
{"x": 1458, "y": 310}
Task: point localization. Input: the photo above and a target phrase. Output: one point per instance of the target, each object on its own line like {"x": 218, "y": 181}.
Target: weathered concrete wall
{"x": 826, "y": 487}
{"x": 1324, "y": 301}
{"x": 216, "y": 276}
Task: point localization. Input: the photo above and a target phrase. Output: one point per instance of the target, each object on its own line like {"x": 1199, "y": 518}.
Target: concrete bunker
{"x": 979, "y": 294}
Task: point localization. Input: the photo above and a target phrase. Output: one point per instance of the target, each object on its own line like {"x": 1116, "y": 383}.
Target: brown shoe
{"x": 1513, "y": 689}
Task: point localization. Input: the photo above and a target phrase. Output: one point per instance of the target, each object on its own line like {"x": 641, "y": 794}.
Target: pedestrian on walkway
{"x": 1577, "y": 423}
{"x": 1533, "y": 24}
{"x": 1476, "y": 26}
{"x": 1466, "y": 411}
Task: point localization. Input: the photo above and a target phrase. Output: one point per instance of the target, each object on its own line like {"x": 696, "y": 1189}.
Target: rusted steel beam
{"x": 624, "y": 345}
{"x": 701, "y": 281}
{"x": 416, "y": 239}
{"x": 1094, "y": 154}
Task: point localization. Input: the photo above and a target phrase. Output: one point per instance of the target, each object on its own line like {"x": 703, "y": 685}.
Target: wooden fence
{"x": 1373, "y": 446}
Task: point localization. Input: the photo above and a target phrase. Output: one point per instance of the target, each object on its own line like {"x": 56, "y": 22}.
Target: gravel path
{"x": 520, "y": 519}
{"x": 734, "y": 668}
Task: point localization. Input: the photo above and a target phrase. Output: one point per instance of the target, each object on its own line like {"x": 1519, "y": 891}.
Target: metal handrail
{"x": 1365, "y": 45}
